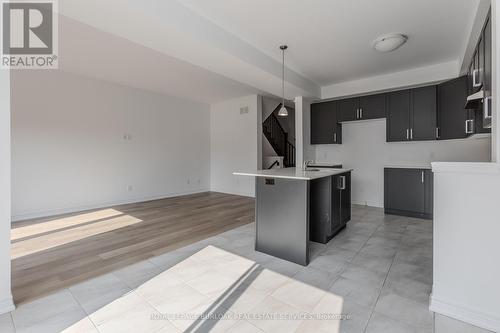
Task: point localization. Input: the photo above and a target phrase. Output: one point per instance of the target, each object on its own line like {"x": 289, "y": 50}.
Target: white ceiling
{"x": 90, "y": 52}
{"x": 220, "y": 49}
{"x": 331, "y": 40}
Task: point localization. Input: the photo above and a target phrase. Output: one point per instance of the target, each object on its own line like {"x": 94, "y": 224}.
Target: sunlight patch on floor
{"x": 214, "y": 289}
{"x": 54, "y": 239}
{"x": 30, "y": 230}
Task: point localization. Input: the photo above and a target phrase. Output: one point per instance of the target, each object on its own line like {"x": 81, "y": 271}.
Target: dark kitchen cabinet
{"x": 470, "y": 89}
{"x": 479, "y": 61}
{"x": 348, "y": 109}
{"x": 408, "y": 192}
{"x": 344, "y": 188}
{"x": 483, "y": 114}
{"x": 487, "y": 58}
{"x": 362, "y": 108}
{"x": 325, "y": 128}
{"x": 428, "y": 193}
{"x": 372, "y": 106}
{"x": 412, "y": 114}
{"x": 423, "y": 113}
{"x": 330, "y": 206}
{"x": 398, "y": 116}
{"x": 479, "y": 74}
{"x": 488, "y": 65}
{"x": 452, "y": 117}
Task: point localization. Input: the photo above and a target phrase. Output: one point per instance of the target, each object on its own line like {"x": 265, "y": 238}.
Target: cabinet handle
{"x": 468, "y": 126}
{"x": 437, "y": 132}
{"x": 407, "y": 134}
{"x": 411, "y": 133}
{"x": 334, "y": 137}
{"x": 422, "y": 176}
{"x": 474, "y": 75}
{"x": 487, "y": 108}
{"x": 357, "y": 113}
{"x": 341, "y": 183}
{"x": 360, "y": 113}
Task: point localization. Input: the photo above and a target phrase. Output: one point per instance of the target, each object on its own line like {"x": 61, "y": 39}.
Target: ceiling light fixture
{"x": 283, "y": 112}
{"x": 390, "y": 42}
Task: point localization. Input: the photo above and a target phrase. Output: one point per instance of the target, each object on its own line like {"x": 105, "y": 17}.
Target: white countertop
{"x": 466, "y": 167}
{"x": 409, "y": 166}
{"x": 324, "y": 163}
{"x": 293, "y": 173}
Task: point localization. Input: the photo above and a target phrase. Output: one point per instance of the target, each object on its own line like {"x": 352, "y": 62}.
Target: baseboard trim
{"x": 242, "y": 193}
{"x": 69, "y": 210}
{"x": 464, "y": 313}
{"x": 367, "y": 203}
{"x": 7, "y": 305}
{"x": 407, "y": 214}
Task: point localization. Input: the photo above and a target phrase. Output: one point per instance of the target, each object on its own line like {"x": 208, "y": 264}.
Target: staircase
{"x": 278, "y": 139}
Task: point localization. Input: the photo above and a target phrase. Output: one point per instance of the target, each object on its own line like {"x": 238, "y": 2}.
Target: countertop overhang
{"x": 293, "y": 173}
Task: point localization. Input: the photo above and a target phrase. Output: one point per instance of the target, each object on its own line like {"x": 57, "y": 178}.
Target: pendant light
{"x": 283, "y": 112}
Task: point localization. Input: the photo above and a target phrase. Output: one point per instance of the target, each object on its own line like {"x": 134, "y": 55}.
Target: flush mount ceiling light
{"x": 390, "y": 42}
{"x": 283, "y": 112}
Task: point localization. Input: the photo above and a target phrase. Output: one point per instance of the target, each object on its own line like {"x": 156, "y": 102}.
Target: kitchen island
{"x": 294, "y": 206}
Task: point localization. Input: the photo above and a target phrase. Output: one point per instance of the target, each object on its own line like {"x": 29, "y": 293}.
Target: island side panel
{"x": 282, "y": 218}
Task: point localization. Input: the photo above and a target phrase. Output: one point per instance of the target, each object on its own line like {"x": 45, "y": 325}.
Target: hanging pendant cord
{"x": 283, "y": 82}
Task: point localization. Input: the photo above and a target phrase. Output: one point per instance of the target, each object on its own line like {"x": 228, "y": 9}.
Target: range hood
{"x": 474, "y": 101}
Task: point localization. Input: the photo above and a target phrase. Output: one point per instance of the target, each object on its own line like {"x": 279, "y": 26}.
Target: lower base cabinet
{"x": 329, "y": 206}
{"x": 408, "y": 192}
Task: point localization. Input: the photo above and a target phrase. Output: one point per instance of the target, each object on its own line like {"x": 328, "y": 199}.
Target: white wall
{"x": 69, "y": 152}
{"x": 303, "y": 148}
{"x": 408, "y": 78}
{"x": 267, "y": 149}
{"x": 466, "y": 272}
{"x": 235, "y": 144}
{"x": 6, "y": 303}
{"x": 364, "y": 148}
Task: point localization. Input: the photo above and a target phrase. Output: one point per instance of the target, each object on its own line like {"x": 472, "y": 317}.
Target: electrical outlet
{"x": 244, "y": 110}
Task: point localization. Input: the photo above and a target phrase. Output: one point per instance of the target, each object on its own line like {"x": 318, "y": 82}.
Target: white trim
{"x": 466, "y": 167}
{"x": 464, "y": 313}
{"x": 372, "y": 204}
{"x": 67, "y": 210}
{"x": 404, "y": 79}
{"x": 7, "y": 305}
{"x": 240, "y": 193}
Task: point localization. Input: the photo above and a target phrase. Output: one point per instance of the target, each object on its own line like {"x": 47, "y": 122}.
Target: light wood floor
{"x": 53, "y": 253}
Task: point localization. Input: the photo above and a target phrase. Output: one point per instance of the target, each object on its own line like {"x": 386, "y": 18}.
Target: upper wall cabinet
{"x": 348, "y": 109}
{"x": 398, "y": 116}
{"x": 423, "y": 119}
{"x": 325, "y": 127}
{"x": 411, "y": 114}
{"x": 452, "y": 117}
{"x": 479, "y": 77}
{"x": 361, "y": 108}
{"x": 425, "y": 113}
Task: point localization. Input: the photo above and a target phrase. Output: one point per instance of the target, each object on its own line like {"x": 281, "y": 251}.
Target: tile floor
{"x": 377, "y": 272}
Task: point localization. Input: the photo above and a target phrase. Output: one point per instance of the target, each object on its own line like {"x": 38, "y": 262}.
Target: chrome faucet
{"x": 306, "y": 165}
